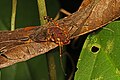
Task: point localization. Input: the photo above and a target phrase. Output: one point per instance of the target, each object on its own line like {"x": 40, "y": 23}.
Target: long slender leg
{"x": 60, "y": 50}
{"x": 72, "y": 63}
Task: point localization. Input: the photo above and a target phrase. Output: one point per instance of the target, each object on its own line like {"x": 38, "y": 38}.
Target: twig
{"x": 65, "y": 12}
{"x": 14, "y": 4}
{"x": 42, "y": 11}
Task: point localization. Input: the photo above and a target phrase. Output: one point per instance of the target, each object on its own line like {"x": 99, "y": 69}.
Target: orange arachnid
{"x": 57, "y": 34}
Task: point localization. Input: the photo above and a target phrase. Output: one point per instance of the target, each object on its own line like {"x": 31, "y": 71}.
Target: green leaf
{"x": 100, "y": 56}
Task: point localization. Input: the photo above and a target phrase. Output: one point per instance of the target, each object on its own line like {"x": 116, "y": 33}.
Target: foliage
{"x": 100, "y": 56}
